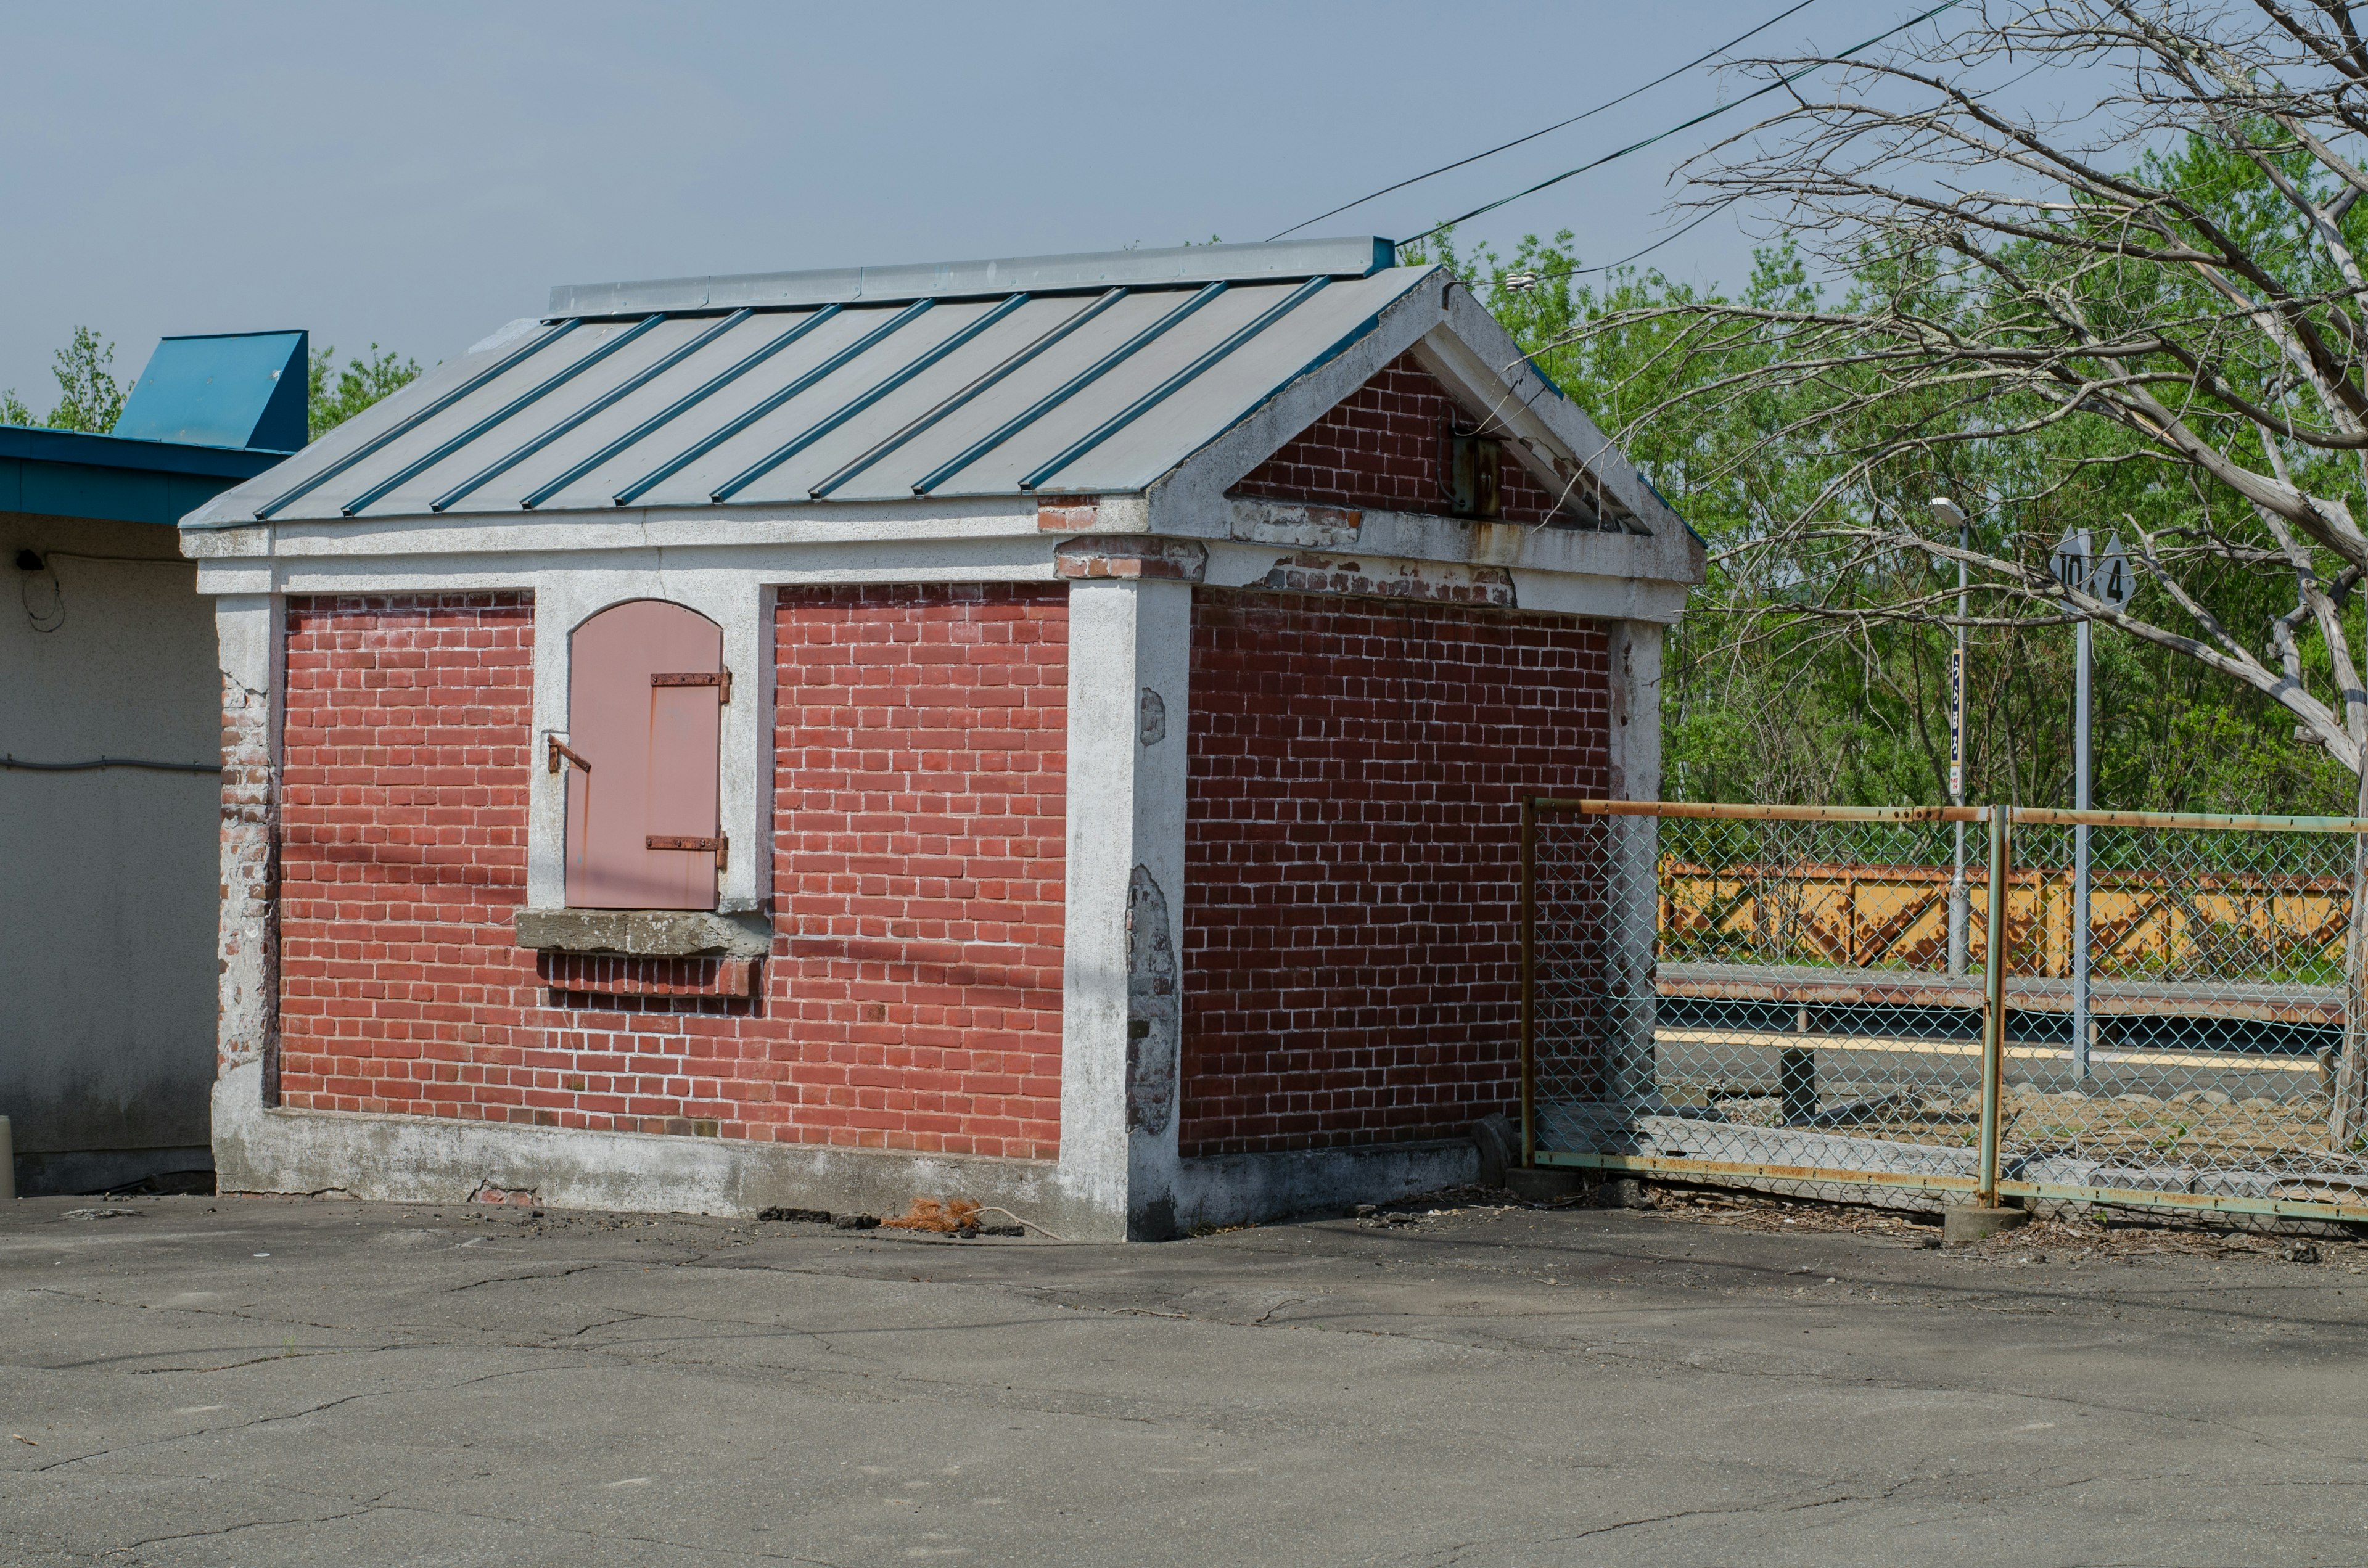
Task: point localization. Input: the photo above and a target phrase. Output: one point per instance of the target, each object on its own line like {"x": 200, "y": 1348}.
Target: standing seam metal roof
{"x": 1071, "y": 375}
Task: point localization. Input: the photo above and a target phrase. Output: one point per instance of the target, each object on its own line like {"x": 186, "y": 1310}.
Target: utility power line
{"x": 1437, "y": 230}
{"x": 1558, "y": 125}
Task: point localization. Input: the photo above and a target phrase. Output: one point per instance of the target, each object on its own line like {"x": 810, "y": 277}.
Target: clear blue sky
{"x": 418, "y": 174}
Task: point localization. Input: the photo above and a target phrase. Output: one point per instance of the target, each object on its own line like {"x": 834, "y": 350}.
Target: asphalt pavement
{"x": 258, "y": 1382}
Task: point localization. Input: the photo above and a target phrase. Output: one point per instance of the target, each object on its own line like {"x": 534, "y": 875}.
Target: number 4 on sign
{"x": 2114, "y": 582}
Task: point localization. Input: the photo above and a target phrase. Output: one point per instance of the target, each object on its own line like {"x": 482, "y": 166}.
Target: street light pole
{"x": 1948, "y": 512}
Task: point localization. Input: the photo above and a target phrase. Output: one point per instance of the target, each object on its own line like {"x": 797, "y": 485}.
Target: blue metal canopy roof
{"x": 1064, "y": 374}
{"x": 66, "y": 473}
{"x": 237, "y": 388}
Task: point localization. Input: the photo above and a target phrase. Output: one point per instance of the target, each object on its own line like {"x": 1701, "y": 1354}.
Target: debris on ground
{"x": 797, "y": 1216}
{"x": 944, "y": 1216}
{"x": 99, "y": 1213}
{"x": 2064, "y": 1237}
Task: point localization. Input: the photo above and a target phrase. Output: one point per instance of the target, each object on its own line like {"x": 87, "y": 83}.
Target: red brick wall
{"x": 919, "y": 817}
{"x": 913, "y": 1000}
{"x": 1351, "y": 880}
{"x": 403, "y": 854}
{"x": 1381, "y": 447}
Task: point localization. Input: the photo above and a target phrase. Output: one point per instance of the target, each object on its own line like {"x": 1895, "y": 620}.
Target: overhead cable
{"x": 1574, "y": 119}
{"x": 1687, "y": 125}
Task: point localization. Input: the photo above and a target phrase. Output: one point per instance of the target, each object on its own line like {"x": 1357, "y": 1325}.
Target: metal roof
{"x": 70, "y": 474}
{"x": 1067, "y": 374}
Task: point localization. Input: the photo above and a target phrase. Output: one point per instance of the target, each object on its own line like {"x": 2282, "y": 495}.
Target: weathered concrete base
{"x": 1233, "y": 1189}
{"x": 1499, "y": 1146}
{"x": 429, "y": 1159}
{"x": 1609, "y": 1130}
{"x": 102, "y": 1170}
{"x": 1543, "y": 1184}
{"x": 433, "y": 1160}
{"x": 1963, "y": 1225}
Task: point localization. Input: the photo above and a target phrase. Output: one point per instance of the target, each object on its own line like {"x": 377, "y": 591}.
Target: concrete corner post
{"x": 248, "y": 627}
{"x": 1632, "y": 855}
{"x": 1121, "y": 1031}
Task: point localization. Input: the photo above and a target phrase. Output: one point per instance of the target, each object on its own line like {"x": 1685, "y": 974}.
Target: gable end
{"x": 1382, "y": 448}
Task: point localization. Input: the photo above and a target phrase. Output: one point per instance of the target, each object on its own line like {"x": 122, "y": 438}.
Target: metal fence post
{"x": 1994, "y": 1009}
{"x": 1529, "y": 980}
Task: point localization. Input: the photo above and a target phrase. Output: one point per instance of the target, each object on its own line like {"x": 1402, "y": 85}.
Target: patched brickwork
{"x": 913, "y": 997}
{"x": 1381, "y": 447}
{"x": 1352, "y": 897}
{"x": 243, "y": 936}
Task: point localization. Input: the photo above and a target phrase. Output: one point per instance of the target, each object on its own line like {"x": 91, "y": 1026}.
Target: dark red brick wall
{"x": 1352, "y": 860}
{"x": 1381, "y": 447}
{"x": 913, "y": 997}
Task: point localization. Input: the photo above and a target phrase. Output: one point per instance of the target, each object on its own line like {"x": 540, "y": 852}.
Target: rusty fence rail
{"x": 1956, "y": 1003}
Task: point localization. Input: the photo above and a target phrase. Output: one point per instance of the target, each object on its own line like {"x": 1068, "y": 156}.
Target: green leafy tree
{"x": 88, "y": 397}
{"x": 362, "y": 382}
{"x": 1791, "y": 679}
{"x": 2144, "y": 321}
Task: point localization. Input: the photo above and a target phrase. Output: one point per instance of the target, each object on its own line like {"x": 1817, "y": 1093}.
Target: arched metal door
{"x": 644, "y": 715}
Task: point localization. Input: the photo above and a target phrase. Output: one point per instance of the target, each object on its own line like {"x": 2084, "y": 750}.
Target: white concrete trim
{"x": 1120, "y": 1092}
{"x": 511, "y": 532}
{"x": 1011, "y": 558}
{"x": 1635, "y": 765}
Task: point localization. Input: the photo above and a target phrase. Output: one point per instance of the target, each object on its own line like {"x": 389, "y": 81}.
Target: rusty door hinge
{"x": 720, "y": 679}
{"x": 559, "y": 751}
{"x": 720, "y": 844}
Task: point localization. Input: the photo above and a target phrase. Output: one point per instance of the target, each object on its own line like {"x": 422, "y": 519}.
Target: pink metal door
{"x": 644, "y": 710}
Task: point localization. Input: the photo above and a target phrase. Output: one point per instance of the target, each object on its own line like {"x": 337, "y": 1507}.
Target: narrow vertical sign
{"x": 1957, "y": 723}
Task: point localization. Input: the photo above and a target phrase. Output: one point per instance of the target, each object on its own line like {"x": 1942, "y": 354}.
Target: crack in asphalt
{"x": 380, "y": 1505}
{"x": 285, "y": 1415}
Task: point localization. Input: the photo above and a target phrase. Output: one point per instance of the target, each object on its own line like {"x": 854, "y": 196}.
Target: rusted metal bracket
{"x": 720, "y": 679}
{"x": 558, "y": 751}
{"x": 721, "y": 845}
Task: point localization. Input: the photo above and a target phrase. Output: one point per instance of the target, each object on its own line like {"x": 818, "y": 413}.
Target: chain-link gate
{"x": 1805, "y": 998}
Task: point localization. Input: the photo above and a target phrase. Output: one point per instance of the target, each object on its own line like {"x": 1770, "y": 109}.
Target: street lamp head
{"x": 1947, "y": 511}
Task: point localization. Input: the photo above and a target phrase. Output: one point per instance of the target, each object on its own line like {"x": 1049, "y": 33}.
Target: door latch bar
{"x": 722, "y": 679}
{"x": 720, "y": 846}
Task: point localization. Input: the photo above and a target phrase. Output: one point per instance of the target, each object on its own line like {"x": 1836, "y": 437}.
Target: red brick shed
{"x": 1041, "y": 731}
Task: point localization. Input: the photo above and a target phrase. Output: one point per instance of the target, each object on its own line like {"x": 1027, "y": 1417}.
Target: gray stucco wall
{"x": 107, "y": 878}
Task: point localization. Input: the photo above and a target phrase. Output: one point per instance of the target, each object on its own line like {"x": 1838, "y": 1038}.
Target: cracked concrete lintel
{"x": 645, "y": 933}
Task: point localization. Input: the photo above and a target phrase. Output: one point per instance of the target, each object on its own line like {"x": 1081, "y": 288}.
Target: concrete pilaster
{"x": 1129, "y": 648}
{"x": 1632, "y": 853}
{"x": 248, "y": 627}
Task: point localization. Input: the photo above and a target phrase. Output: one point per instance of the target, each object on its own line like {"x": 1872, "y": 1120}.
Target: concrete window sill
{"x": 644, "y": 933}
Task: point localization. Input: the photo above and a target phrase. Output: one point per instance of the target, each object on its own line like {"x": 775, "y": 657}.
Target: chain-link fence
{"x": 1806, "y": 998}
